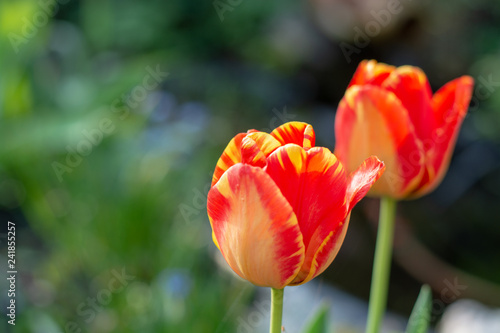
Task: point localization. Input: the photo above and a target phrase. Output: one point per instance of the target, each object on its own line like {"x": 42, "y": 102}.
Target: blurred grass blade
{"x": 319, "y": 322}
{"x": 421, "y": 313}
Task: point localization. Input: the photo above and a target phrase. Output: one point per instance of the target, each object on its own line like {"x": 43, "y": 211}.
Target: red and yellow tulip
{"x": 279, "y": 207}
{"x": 391, "y": 113}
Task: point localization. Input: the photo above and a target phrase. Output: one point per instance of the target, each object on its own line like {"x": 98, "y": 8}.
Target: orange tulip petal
{"x": 255, "y": 227}
{"x": 251, "y": 154}
{"x": 452, "y": 101}
{"x": 324, "y": 255}
{"x": 266, "y": 142}
{"x": 450, "y": 104}
{"x": 412, "y": 88}
{"x": 301, "y": 134}
{"x": 372, "y": 121}
{"x": 314, "y": 183}
{"x": 360, "y": 181}
{"x": 371, "y": 72}
{"x": 229, "y": 157}
{"x": 358, "y": 184}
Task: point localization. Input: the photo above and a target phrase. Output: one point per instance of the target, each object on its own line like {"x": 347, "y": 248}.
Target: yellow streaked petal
{"x": 229, "y": 157}
{"x": 309, "y": 137}
{"x": 295, "y": 132}
{"x": 266, "y": 143}
{"x": 314, "y": 183}
{"x": 324, "y": 254}
{"x": 251, "y": 154}
{"x": 255, "y": 227}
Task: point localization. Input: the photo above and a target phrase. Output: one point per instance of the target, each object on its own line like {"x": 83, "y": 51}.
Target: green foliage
{"x": 421, "y": 313}
{"x": 319, "y": 322}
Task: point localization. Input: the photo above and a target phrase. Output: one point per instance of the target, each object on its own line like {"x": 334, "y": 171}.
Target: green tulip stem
{"x": 276, "y": 310}
{"x": 381, "y": 265}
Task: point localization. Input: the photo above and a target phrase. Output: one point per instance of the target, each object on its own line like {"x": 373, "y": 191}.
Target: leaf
{"x": 319, "y": 322}
{"x": 421, "y": 313}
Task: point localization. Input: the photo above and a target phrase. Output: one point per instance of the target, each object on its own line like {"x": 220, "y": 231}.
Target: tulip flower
{"x": 391, "y": 113}
{"x": 279, "y": 207}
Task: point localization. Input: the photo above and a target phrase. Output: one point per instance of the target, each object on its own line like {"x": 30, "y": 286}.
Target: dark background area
{"x": 114, "y": 113}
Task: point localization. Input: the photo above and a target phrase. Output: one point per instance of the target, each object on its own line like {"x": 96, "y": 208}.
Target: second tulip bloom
{"x": 391, "y": 113}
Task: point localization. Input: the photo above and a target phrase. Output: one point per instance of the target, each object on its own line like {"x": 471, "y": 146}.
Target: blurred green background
{"x": 114, "y": 113}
